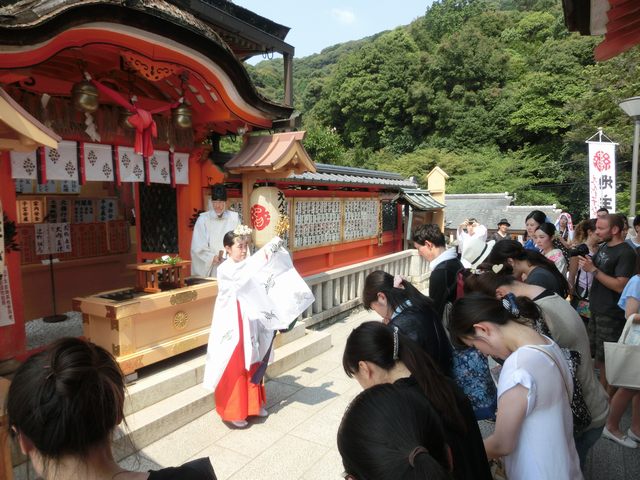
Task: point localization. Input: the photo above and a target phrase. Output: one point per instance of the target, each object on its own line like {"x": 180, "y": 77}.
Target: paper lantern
{"x": 265, "y": 214}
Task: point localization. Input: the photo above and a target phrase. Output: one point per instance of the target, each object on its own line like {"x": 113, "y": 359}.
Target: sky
{"x": 321, "y": 23}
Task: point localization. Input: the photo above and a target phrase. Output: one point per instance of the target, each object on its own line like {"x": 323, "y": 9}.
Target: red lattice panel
{"x": 118, "y": 235}
{"x": 27, "y": 241}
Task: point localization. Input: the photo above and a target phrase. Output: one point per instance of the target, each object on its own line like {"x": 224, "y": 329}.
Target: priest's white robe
{"x": 206, "y": 242}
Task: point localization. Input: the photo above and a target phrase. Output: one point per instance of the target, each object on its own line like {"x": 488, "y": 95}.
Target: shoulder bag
{"x": 622, "y": 358}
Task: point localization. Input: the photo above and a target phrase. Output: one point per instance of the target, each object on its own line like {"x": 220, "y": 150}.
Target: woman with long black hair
{"x": 400, "y": 304}
{"x": 534, "y": 421}
{"x": 375, "y": 354}
{"x": 529, "y": 266}
{"x": 392, "y": 433}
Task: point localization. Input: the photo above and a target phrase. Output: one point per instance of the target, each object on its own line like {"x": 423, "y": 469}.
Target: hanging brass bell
{"x": 182, "y": 116}
{"x": 124, "y": 117}
{"x": 84, "y": 96}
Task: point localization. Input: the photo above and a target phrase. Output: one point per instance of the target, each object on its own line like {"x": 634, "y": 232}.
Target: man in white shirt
{"x": 468, "y": 229}
{"x": 207, "y": 251}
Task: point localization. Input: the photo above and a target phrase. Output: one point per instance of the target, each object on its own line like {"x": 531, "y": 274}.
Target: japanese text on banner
{"x": 602, "y": 177}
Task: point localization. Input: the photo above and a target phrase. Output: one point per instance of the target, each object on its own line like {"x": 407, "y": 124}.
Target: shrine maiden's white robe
{"x": 271, "y": 295}
{"x": 206, "y": 242}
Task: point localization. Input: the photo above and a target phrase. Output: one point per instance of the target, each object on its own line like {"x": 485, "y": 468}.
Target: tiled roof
{"x": 354, "y": 176}
{"x": 419, "y": 199}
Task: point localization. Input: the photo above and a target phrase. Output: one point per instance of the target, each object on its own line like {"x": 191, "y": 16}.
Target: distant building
{"x": 489, "y": 209}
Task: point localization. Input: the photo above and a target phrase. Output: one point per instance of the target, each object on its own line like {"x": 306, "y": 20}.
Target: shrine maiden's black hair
{"x": 391, "y": 432}
{"x": 228, "y": 239}
{"x": 373, "y": 342}
{"x": 67, "y": 399}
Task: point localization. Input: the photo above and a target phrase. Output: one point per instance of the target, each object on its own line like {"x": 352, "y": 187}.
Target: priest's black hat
{"x": 218, "y": 192}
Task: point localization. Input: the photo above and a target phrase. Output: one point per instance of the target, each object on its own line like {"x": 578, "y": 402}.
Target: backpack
{"x": 470, "y": 368}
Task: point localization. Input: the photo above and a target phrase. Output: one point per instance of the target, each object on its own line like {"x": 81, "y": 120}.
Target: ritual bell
{"x": 84, "y": 96}
{"x": 182, "y": 116}
{"x": 124, "y": 116}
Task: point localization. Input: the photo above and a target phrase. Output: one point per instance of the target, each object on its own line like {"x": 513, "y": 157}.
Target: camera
{"x": 580, "y": 250}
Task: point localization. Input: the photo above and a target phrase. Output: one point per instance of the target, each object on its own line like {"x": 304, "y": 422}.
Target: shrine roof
{"x": 231, "y": 25}
{"x": 419, "y": 199}
{"x": 19, "y": 130}
{"x": 46, "y": 38}
{"x": 350, "y": 175}
{"x": 617, "y": 20}
{"x": 280, "y": 152}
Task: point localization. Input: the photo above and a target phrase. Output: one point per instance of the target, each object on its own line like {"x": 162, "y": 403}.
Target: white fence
{"x": 339, "y": 290}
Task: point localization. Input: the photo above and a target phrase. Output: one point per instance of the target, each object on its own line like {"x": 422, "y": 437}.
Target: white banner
{"x": 130, "y": 165}
{"x": 181, "y": 168}
{"x": 52, "y": 238}
{"x": 6, "y": 304}
{"x": 159, "y": 167}
{"x": 98, "y": 164}
{"x": 24, "y": 165}
{"x": 602, "y": 177}
{"x": 62, "y": 162}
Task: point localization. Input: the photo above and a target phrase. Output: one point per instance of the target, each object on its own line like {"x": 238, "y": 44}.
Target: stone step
{"x": 158, "y": 420}
{"x": 294, "y": 353}
{"x": 169, "y": 394}
{"x": 298, "y": 331}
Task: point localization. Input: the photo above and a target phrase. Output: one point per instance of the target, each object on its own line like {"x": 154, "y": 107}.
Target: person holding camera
{"x": 580, "y": 282}
{"x": 469, "y": 229}
{"x": 612, "y": 266}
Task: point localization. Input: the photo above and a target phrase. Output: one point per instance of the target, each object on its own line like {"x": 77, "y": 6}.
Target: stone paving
{"x": 298, "y": 439}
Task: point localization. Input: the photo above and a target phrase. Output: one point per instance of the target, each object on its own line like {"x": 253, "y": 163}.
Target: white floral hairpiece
{"x": 241, "y": 231}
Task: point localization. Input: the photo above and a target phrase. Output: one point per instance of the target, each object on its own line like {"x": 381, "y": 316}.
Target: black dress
{"x": 467, "y": 448}
{"x": 424, "y": 327}
{"x": 199, "y": 469}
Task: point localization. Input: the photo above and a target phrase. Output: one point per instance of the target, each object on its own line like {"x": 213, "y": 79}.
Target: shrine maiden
{"x": 257, "y": 295}
{"x": 207, "y": 250}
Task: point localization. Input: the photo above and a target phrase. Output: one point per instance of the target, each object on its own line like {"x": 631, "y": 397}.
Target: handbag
{"x": 470, "y": 370}
{"x": 623, "y": 359}
{"x": 579, "y": 408}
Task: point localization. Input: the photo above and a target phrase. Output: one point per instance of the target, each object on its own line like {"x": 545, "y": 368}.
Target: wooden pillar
{"x": 12, "y": 337}
{"x": 288, "y": 79}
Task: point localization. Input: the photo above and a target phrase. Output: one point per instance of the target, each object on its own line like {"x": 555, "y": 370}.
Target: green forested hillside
{"x": 496, "y": 92}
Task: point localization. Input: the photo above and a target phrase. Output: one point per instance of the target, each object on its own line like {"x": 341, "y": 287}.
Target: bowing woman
{"x": 257, "y": 296}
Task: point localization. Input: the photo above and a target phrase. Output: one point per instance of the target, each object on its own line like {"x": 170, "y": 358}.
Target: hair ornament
{"x": 510, "y": 305}
{"x": 397, "y": 281}
{"x": 241, "y": 231}
{"x": 497, "y": 268}
{"x": 414, "y": 453}
{"x": 395, "y": 343}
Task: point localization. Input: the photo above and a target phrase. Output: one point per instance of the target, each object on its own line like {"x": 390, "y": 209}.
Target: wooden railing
{"x": 339, "y": 290}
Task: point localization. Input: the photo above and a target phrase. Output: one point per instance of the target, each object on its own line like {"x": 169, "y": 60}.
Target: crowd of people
{"x": 509, "y": 331}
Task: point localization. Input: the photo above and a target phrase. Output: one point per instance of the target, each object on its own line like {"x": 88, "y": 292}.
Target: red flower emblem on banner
{"x": 601, "y": 161}
{"x": 260, "y": 217}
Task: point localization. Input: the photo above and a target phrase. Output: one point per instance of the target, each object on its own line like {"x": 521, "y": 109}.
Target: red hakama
{"x": 236, "y": 397}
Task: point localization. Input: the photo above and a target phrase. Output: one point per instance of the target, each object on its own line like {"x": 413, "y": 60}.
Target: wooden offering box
{"x": 155, "y": 277}
{"x": 144, "y": 328}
